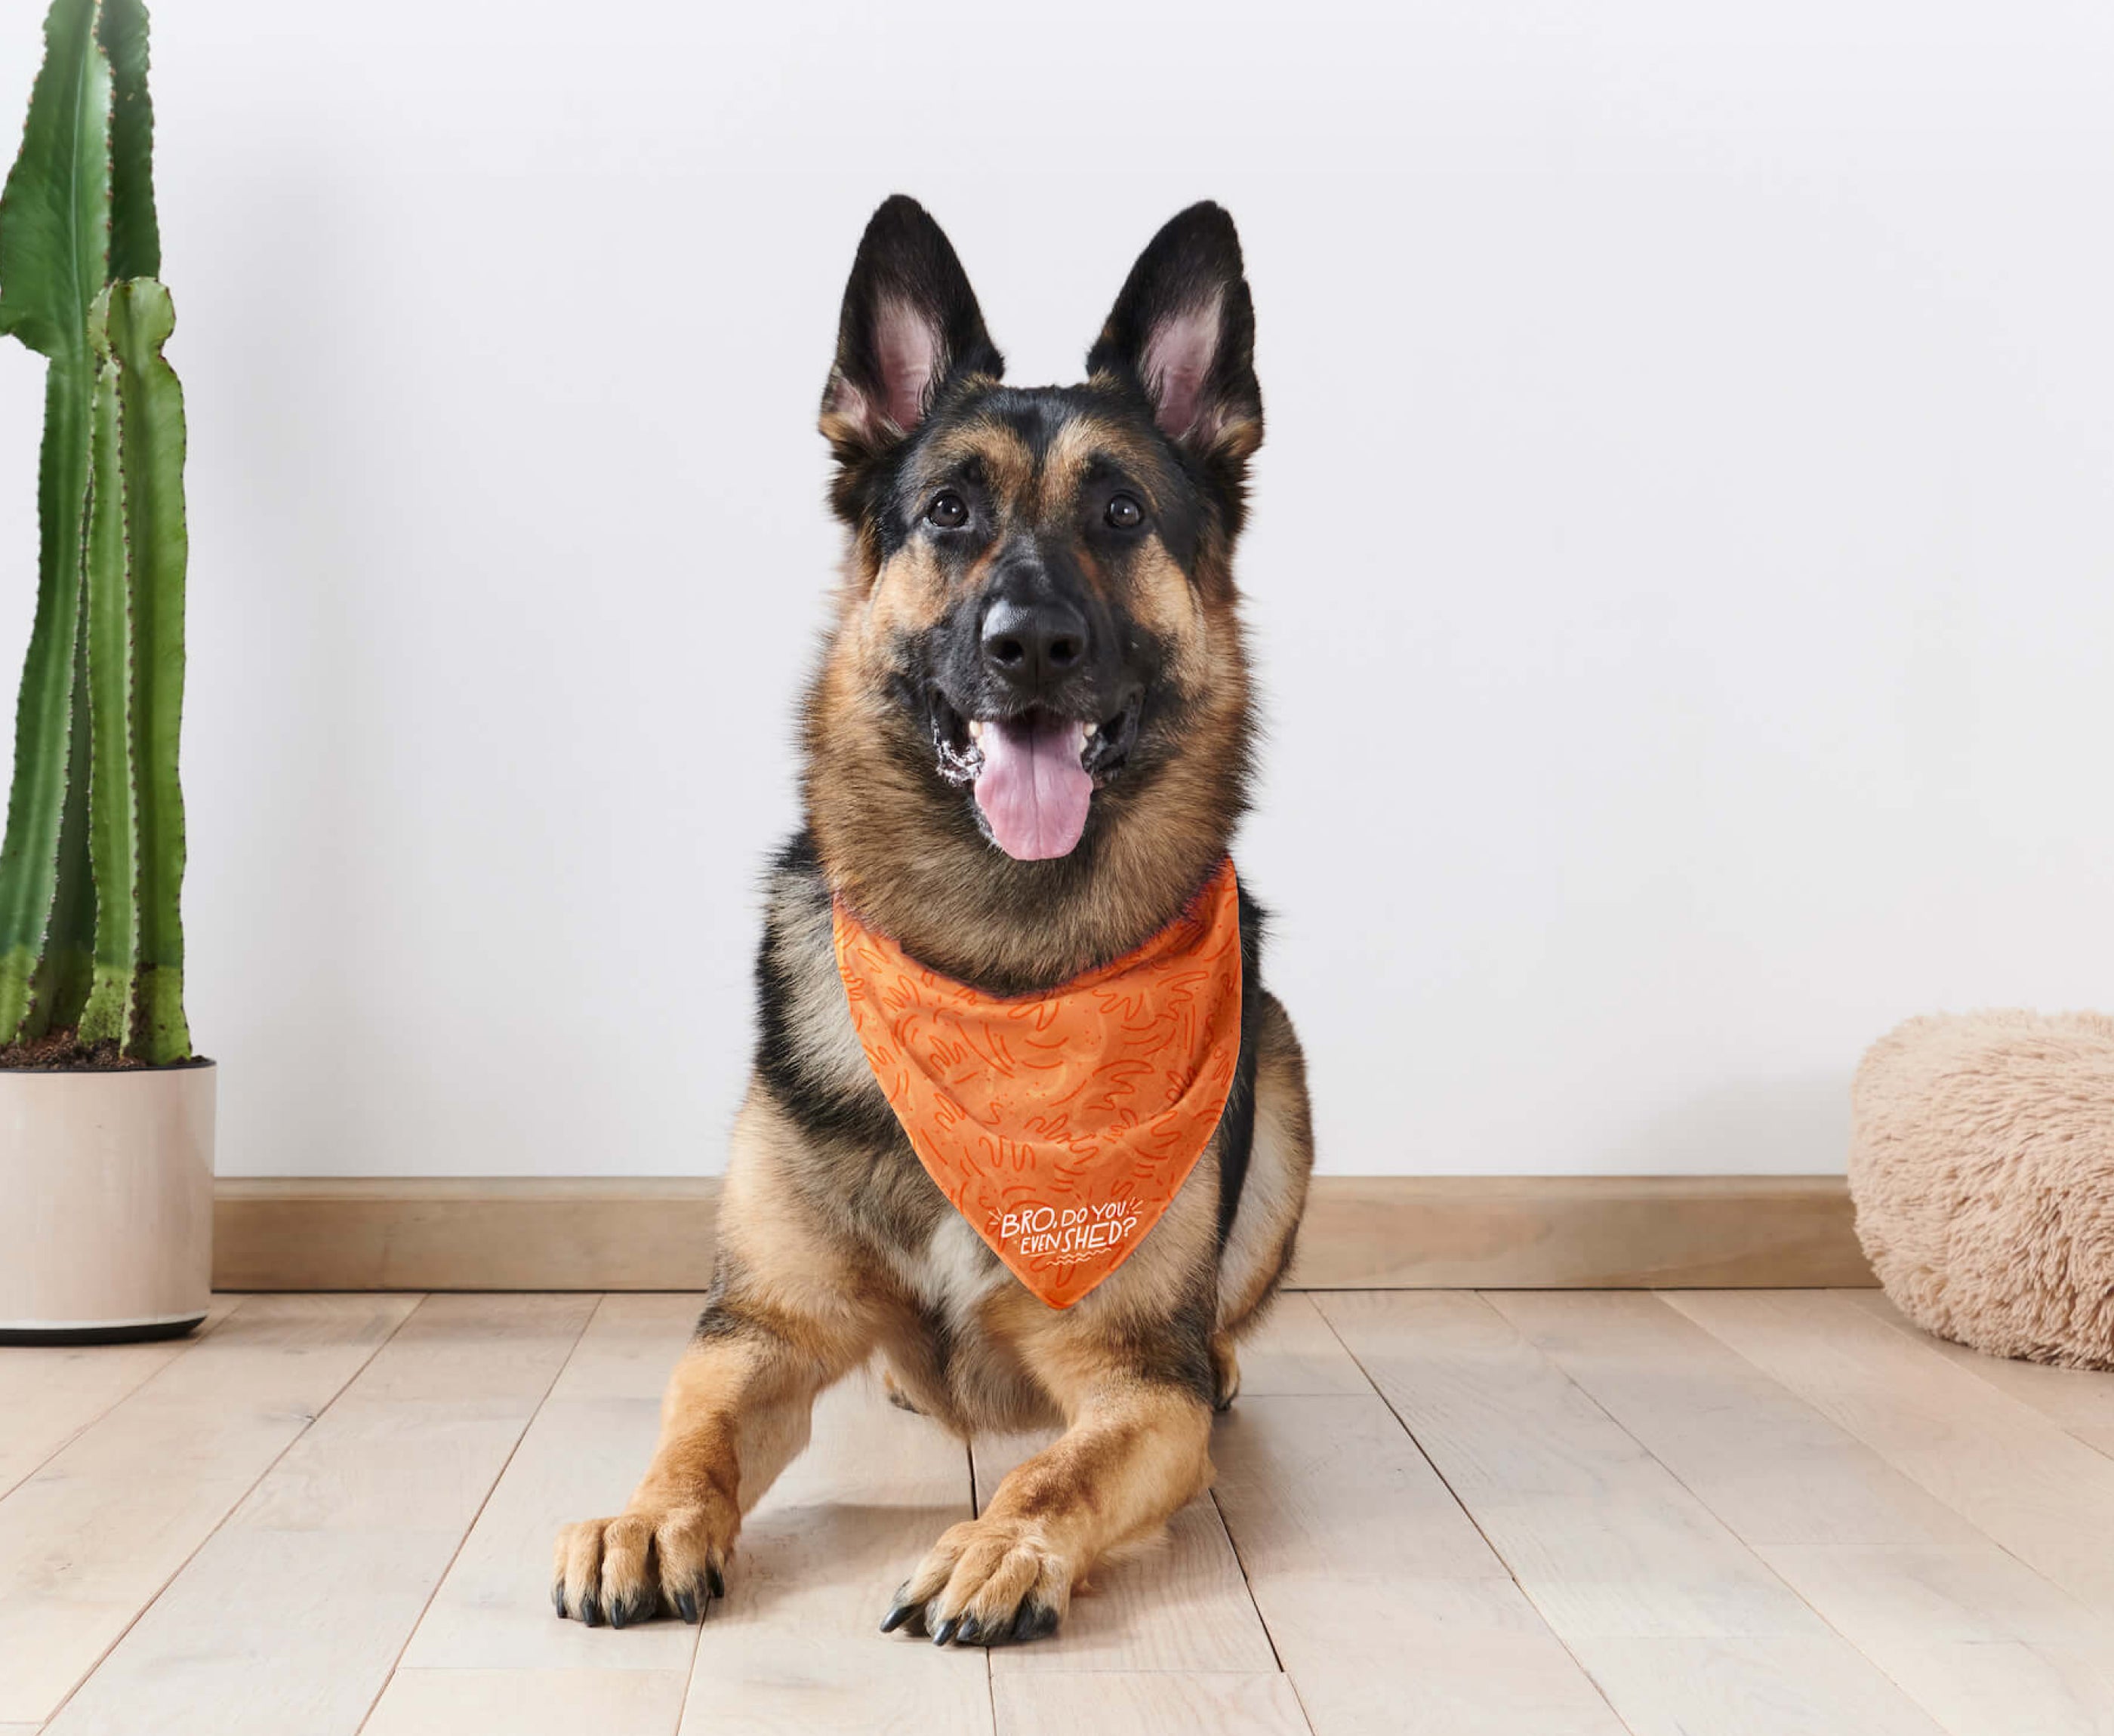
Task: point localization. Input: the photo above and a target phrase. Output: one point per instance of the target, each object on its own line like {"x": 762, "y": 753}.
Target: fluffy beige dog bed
{"x": 1982, "y": 1163}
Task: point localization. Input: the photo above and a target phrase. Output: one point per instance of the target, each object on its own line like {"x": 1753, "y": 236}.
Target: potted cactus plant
{"x": 106, "y": 1117}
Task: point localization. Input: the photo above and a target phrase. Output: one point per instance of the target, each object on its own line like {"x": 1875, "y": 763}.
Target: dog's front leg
{"x": 736, "y": 1413}
{"x": 1136, "y": 1450}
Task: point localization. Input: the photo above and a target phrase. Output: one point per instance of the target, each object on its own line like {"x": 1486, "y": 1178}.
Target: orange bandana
{"x": 1060, "y": 1125}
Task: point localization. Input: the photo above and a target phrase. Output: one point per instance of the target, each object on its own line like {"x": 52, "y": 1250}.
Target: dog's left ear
{"x": 910, "y": 323}
{"x": 1183, "y": 332}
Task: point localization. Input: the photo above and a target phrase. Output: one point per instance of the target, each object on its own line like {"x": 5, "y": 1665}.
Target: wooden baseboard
{"x": 1363, "y": 1233}
{"x": 1579, "y": 1232}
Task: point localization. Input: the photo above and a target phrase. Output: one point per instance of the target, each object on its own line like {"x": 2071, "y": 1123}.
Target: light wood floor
{"x": 1536, "y": 1514}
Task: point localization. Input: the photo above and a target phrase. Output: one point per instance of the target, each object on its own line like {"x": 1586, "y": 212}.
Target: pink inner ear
{"x": 907, "y": 344}
{"x": 1178, "y": 357}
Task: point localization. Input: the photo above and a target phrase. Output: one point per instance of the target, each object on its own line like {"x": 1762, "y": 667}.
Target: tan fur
{"x": 1982, "y": 1163}
{"x": 1167, "y": 605}
{"x": 1132, "y": 1455}
{"x": 1133, "y": 1451}
{"x": 737, "y": 1408}
{"x": 866, "y": 804}
{"x": 908, "y": 594}
{"x": 794, "y": 1281}
{"x": 834, "y": 1245}
{"x": 1275, "y": 1193}
{"x": 814, "y": 1305}
{"x": 1009, "y": 466}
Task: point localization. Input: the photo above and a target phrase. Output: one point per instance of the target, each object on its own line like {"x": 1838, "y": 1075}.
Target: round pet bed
{"x": 1981, "y": 1165}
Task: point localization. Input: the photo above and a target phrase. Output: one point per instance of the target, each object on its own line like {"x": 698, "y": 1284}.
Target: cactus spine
{"x": 90, "y": 932}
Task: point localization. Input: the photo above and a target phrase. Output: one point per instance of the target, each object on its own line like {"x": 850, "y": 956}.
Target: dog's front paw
{"x": 654, "y": 1558}
{"x": 988, "y": 1581}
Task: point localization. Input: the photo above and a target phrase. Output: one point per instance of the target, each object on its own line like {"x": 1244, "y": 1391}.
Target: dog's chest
{"x": 952, "y": 1272}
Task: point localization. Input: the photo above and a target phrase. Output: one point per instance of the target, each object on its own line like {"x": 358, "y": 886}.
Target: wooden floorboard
{"x": 530, "y": 1703}
{"x": 580, "y": 1457}
{"x": 1780, "y": 1685}
{"x": 2080, "y": 1400}
{"x": 2015, "y": 1474}
{"x": 48, "y": 1394}
{"x": 89, "y": 1540}
{"x": 796, "y": 1645}
{"x": 1977, "y": 1638}
{"x": 1759, "y": 1456}
{"x": 1293, "y": 1353}
{"x": 1164, "y": 1702}
{"x": 1620, "y": 1557}
{"x": 1436, "y": 1514}
{"x": 1390, "y": 1612}
{"x": 1603, "y": 1536}
{"x": 1908, "y": 1580}
{"x": 293, "y": 1613}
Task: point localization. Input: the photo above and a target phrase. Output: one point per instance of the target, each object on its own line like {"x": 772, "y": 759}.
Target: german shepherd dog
{"x": 1037, "y": 578}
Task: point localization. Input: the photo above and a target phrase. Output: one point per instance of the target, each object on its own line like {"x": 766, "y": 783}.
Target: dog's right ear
{"x": 910, "y": 323}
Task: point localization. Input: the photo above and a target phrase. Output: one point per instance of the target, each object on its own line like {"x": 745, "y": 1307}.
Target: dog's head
{"x": 1029, "y": 738}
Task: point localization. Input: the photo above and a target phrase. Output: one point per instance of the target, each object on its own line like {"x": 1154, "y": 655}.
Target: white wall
{"x": 1683, "y": 560}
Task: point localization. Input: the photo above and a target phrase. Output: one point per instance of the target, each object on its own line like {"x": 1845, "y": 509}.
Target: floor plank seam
{"x": 1703, "y": 1502}
{"x": 1496, "y": 1553}
{"x": 1661, "y": 1489}
{"x": 1926, "y": 1341}
{"x": 139, "y": 1615}
{"x": 1914, "y": 1476}
{"x": 1908, "y": 1691}
{"x": 1402, "y": 1423}
{"x": 1247, "y": 1580}
{"x": 389, "y": 1675}
{"x": 188, "y": 1345}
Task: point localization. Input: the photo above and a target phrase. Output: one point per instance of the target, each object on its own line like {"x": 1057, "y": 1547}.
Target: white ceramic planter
{"x": 106, "y": 1203}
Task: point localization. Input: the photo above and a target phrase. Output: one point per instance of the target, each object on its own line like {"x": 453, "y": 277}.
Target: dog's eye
{"x": 948, "y": 512}
{"x": 1124, "y": 514}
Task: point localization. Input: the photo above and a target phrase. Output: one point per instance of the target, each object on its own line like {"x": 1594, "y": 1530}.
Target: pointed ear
{"x": 910, "y": 323}
{"x": 1183, "y": 332}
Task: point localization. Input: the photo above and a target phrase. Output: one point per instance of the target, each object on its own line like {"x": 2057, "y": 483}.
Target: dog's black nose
{"x": 1031, "y": 645}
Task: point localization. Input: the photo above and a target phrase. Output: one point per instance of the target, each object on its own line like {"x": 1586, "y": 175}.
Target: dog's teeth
{"x": 975, "y": 729}
{"x": 1090, "y": 729}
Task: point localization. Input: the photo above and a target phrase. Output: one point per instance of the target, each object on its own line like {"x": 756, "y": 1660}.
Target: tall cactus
{"x": 90, "y": 934}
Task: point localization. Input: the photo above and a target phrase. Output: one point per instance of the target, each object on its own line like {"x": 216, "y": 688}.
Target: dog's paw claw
{"x": 987, "y": 1582}
{"x": 1034, "y": 1621}
{"x": 646, "y": 1562}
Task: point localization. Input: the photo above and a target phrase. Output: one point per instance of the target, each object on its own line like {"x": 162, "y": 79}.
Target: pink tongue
{"x": 1031, "y": 789}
